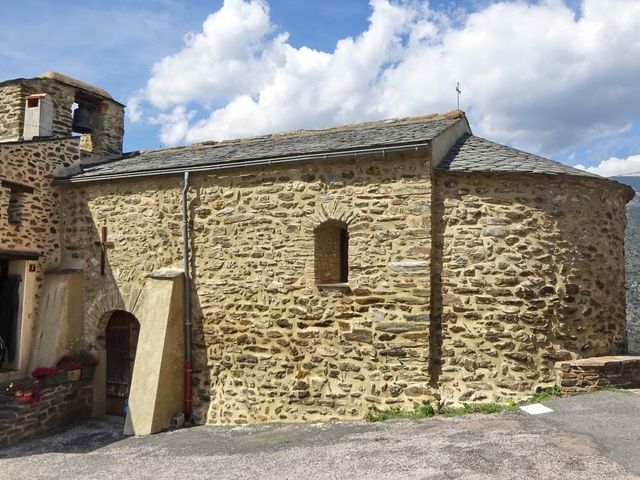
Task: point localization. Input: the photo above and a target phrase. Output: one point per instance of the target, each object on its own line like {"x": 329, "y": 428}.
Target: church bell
{"x": 81, "y": 120}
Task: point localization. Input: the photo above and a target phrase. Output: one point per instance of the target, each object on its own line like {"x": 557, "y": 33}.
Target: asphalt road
{"x": 595, "y": 436}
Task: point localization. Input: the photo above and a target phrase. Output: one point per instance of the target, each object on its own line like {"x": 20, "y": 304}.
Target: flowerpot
{"x": 23, "y": 397}
{"x": 88, "y": 371}
{"x": 55, "y": 379}
{"x": 74, "y": 375}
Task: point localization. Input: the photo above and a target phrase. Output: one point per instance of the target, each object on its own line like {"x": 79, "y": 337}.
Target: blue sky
{"x": 558, "y": 78}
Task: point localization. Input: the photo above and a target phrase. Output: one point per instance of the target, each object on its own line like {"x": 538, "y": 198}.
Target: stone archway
{"x": 121, "y": 340}
{"x": 112, "y": 298}
{"x": 156, "y": 392}
{"x": 333, "y": 212}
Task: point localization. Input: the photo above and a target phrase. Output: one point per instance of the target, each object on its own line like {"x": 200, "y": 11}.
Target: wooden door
{"x": 122, "y": 340}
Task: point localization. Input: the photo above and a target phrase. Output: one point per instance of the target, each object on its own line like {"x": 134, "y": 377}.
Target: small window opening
{"x": 16, "y": 206}
{"x": 32, "y": 102}
{"x": 331, "y": 253}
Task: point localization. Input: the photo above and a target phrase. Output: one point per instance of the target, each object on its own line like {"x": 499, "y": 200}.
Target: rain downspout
{"x": 187, "y": 301}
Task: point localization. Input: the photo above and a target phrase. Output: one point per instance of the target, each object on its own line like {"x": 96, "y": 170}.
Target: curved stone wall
{"x": 532, "y": 273}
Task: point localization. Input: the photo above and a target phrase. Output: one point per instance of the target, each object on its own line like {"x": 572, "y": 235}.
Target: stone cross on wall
{"x": 103, "y": 244}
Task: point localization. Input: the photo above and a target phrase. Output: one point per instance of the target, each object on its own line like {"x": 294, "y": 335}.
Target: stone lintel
{"x": 63, "y": 269}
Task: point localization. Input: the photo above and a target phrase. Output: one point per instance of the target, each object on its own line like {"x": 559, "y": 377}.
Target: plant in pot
{"x": 89, "y": 362}
{"x": 49, "y": 376}
{"x": 84, "y": 352}
{"x": 72, "y": 366}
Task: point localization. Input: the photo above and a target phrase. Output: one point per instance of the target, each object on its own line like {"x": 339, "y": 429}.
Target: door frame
{"x": 24, "y": 269}
{"x": 112, "y": 405}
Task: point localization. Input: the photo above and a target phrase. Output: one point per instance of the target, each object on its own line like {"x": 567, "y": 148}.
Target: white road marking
{"x": 535, "y": 409}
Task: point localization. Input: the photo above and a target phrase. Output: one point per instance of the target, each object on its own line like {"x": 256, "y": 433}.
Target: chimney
{"x": 38, "y": 116}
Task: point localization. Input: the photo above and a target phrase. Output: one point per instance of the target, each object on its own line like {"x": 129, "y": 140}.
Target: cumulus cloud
{"x": 174, "y": 126}
{"x": 614, "y": 166}
{"x": 534, "y": 75}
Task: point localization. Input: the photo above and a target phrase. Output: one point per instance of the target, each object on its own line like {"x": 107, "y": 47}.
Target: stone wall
{"x": 60, "y": 405}
{"x": 526, "y": 270}
{"x": 11, "y": 111}
{"x": 590, "y": 374}
{"x": 532, "y": 273}
{"x": 33, "y": 164}
{"x": 37, "y": 233}
{"x": 269, "y": 344}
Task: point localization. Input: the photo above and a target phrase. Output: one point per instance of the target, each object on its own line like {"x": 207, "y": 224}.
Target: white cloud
{"x": 174, "y": 125}
{"x": 535, "y": 76}
{"x": 615, "y": 166}
{"x": 227, "y": 58}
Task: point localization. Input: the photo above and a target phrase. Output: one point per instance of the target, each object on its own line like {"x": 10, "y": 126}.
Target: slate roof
{"x": 469, "y": 154}
{"x": 387, "y": 133}
{"x": 475, "y": 154}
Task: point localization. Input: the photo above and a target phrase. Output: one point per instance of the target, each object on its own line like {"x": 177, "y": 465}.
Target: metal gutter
{"x": 248, "y": 163}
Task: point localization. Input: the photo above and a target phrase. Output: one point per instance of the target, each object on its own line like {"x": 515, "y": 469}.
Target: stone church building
{"x": 299, "y": 276}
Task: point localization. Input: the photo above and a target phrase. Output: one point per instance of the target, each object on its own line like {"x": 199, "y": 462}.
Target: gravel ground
{"x": 586, "y": 437}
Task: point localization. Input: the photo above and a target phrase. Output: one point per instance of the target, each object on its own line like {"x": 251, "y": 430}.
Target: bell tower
{"x": 54, "y": 105}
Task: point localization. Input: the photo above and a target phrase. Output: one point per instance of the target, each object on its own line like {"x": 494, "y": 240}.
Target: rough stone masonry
{"x": 465, "y": 270}
{"x": 463, "y": 285}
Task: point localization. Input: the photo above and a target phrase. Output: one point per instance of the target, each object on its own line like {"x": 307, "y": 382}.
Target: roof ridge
{"x": 433, "y": 117}
{"x": 310, "y": 144}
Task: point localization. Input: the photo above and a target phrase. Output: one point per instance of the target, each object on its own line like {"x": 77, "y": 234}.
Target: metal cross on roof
{"x": 459, "y": 92}
{"x": 103, "y": 244}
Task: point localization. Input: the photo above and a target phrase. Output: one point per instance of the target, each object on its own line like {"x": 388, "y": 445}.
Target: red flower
{"x": 42, "y": 372}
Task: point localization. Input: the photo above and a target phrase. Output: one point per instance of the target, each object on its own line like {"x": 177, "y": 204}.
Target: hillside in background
{"x": 633, "y": 182}
{"x": 632, "y": 264}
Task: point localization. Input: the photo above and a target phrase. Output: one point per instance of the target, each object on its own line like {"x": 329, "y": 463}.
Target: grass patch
{"x": 376, "y": 415}
{"x": 486, "y": 408}
{"x": 609, "y": 387}
{"x": 546, "y": 394}
{"x": 425, "y": 411}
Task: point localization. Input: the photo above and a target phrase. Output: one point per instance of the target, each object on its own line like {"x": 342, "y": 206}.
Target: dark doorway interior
{"x": 9, "y": 305}
{"x": 122, "y": 340}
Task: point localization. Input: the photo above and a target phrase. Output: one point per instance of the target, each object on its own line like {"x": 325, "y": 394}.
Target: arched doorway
{"x": 121, "y": 342}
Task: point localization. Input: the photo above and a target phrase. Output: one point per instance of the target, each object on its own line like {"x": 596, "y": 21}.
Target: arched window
{"x": 331, "y": 253}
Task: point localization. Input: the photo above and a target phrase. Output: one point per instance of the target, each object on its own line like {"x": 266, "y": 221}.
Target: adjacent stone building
{"x": 388, "y": 263}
